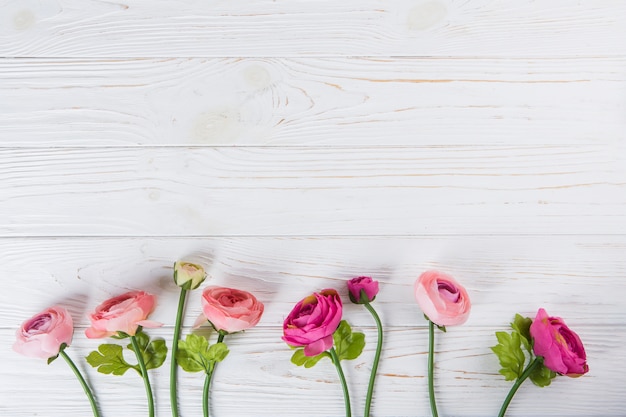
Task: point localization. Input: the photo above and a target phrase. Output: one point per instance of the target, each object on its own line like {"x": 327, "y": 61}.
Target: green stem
{"x": 174, "y": 365}
{"x": 431, "y": 367}
{"x": 205, "y": 394}
{"x": 144, "y": 374}
{"x": 342, "y": 378}
{"x": 92, "y": 400}
{"x": 379, "y": 346}
{"x": 207, "y": 382}
{"x": 529, "y": 369}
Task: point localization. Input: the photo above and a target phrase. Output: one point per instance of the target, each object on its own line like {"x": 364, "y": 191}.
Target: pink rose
{"x": 123, "y": 313}
{"x": 444, "y": 301}
{"x": 230, "y": 310}
{"x": 355, "y": 285}
{"x": 313, "y": 321}
{"x": 561, "y": 348}
{"x": 42, "y": 335}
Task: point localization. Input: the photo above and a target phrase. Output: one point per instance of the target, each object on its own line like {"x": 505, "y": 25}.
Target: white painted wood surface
{"x": 291, "y": 145}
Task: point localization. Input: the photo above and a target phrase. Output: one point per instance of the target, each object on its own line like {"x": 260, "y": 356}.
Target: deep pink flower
{"x": 444, "y": 301}
{"x": 42, "y": 335}
{"x": 124, "y": 313}
{"x": 313, "y": 321}
{"x": 561, "y": 349}
{"x": 355, "y": 285}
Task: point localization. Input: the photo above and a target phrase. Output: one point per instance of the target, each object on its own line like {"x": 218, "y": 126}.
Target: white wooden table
{"x": 291, "y": 145}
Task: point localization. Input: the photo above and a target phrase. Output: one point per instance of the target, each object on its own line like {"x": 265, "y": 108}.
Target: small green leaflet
{"x": 510, "y": 354}
{"x": 109, "y": 358}
{"x": 542, "y": 376}
{"x": 195, "y": 355}
{"x": 512, "y": 357}
{"x": 522, "y": 326}
{"x": 299, "y": 358}
{"x": 153, "y": 352}
{"x": 348, "y": 345}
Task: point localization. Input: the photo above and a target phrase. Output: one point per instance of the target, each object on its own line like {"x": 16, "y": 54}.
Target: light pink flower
{"x": 313, "y": 321}
{"x": 124, "y": 313}
{"x": 230, "y": 310}
{"x": 355, "y": 285}
{"x": 444, "y": 301}
{"x": 561, "y": 349}
{"x": 42, "y": 335}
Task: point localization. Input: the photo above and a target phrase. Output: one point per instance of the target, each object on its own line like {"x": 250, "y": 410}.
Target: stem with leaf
{"x": 529, "y": 369}
{"x": 174, "y": 365}
{"x": 370, "y": 389}
{"x": 431, "y": 366}
{"x": 144, "y": 374}
{"x": 92, "y": 400}
{"x": 344, "y": 385}
{"x": 207, "y": 382}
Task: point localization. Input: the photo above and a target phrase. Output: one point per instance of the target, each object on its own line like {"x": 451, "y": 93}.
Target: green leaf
{"x": 299, "y": 358}
{"x": 510, "y": 354}
{"x": 348, "y": 345}
{"x": 110, "y": 360}
{"x": 522, "y": 326}
{"x": 195, "y": 355}
{"x": 542, "y": 376}
{"x": 153, "y": 352}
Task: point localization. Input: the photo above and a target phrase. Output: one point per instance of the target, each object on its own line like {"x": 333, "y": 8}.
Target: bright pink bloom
{"x": 561, "y": 349}
{"x": 444, "y": 301}
{"x": 355, "y": 285}
{"x": 42, "y": 335}
{"x": 230, "y": 310}
{"x": 123, "y": 313}
{"x": 313, "y": 321}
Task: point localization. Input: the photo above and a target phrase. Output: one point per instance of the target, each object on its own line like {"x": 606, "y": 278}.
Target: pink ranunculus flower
{"x": 229, "y": 310}
{"x": 355, "y": 285}
{"x": 124, "y": 313}
{"x": 42, "y": 335}
{"x": 313, "y": 321}
{"x": 444, "y": 301}
{"x": 561, "y": 349}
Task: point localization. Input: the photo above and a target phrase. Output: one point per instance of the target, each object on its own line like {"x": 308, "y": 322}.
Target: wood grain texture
{"x": 163, "y": 28}
{"x": 504, "y": 274}
{"x": 311, "y": 101}
{"x": 313, "y": 191}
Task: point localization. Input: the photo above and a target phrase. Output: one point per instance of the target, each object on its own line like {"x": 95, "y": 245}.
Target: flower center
{"x": 448, "y": 291}
{"x": 40, "y": 324}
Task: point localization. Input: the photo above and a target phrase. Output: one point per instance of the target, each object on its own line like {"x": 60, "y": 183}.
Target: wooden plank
{"x": 313, "y": 191}
{"x": 258, "y": 379}
{"x": 311, "y": 101}
{"x": 580, "y": 277}
{"x": 311, "y": 28}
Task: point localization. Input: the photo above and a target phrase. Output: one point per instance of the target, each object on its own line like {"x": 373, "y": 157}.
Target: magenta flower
{"x": 561, "y": 349}
{"x": 367, "y": 284}
{"x": 313, "y": 321}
